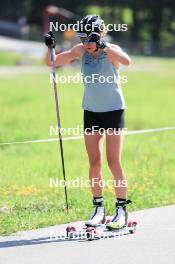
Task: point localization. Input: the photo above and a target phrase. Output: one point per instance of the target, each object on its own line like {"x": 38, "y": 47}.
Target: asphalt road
{"x": 153, "y": 242}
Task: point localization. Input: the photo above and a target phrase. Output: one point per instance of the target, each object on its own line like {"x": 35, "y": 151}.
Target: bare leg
{"x": 94, "y": 147}
{"x": 114, "y": 145}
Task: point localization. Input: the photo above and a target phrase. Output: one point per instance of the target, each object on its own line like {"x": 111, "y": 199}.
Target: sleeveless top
{"x": 102, "y": 89}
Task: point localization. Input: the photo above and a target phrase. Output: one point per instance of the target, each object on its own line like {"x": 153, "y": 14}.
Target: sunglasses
{"x": 86, "y": 40}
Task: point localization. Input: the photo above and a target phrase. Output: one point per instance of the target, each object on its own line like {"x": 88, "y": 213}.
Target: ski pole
{"x": 52, "y": 56}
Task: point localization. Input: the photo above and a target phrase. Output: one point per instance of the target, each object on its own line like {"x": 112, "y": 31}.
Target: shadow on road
{"x": 40, "y": 240}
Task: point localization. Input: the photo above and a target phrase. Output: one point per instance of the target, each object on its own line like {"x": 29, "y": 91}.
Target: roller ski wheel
{"x": 132, "y": 226}
{"x": 70, "y": 231}
{"x": 108, "y": 221}
{"x": 90, "y": 233}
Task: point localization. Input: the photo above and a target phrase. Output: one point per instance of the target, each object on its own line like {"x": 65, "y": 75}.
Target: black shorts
{"x": 94, "y": 121}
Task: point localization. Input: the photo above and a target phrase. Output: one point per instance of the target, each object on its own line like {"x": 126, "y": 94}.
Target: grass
{"x": 28, "y": 110}
{"x": 9, "y": 58}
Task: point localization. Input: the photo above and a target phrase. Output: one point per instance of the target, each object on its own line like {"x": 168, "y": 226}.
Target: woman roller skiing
{"x": 104, "y": 110}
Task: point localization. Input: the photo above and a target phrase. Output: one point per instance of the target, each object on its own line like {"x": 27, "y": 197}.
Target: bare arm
{"x": 66, "y": 57}
{"x": 117, "y": 55}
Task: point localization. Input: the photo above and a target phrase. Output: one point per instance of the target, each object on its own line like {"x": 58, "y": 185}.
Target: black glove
{"x": 95, "y": 37}
{"x": 50, "y": 40}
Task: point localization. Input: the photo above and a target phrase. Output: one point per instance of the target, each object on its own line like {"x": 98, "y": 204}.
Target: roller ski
{"x": 98, "y": 226}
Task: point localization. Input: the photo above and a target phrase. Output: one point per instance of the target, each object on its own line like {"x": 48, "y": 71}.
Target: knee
{"x": 95, "y": 164}
{"x": 114, "y": 164}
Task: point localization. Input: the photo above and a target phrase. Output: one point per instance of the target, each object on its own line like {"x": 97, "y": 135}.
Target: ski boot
{"x": 98, "y": 216}
{"x": 120, "y": 219}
